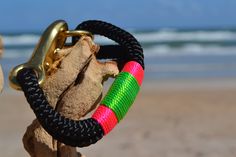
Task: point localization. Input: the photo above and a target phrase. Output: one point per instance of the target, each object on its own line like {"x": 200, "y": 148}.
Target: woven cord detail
{"x": 122, "y": 37}
{"x": 121, "y": 94}
{"x": 74, "y": 133}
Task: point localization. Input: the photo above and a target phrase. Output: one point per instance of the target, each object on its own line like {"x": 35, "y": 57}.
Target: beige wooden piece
{"x": 74, "y": 88}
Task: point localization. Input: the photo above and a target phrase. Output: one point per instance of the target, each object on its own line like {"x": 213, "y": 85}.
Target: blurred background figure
{"x": 1, "y": 73}
{"x": 186, "y": 107}
{"x": 1, "y": 46}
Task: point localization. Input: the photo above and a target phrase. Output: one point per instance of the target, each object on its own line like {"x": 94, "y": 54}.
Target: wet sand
{"x": 173, "y": 118}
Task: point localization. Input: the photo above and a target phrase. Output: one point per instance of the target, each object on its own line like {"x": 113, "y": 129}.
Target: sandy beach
{"x": 173, "y": 118}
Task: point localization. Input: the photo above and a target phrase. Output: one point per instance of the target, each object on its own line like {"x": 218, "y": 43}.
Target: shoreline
{"x": 189, "y": 83}
{"x": 166, "y": 84}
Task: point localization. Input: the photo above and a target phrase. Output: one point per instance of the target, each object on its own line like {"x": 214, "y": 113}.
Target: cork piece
{"x": 74, "y": 88}
{"x": 1, "y": 73}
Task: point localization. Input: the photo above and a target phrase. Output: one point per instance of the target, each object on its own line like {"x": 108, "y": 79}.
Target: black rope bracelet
{"x": 85, "y": 132}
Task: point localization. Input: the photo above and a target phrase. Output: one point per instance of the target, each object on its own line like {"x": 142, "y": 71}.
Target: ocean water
{"x": 169, "y": 53}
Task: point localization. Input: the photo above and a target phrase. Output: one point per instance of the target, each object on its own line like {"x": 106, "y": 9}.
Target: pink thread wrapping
{"x": 106, "y": 118}
{"x": 136, "y": 70}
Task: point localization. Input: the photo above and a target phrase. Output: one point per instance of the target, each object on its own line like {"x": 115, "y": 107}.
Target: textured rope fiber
{"x": 106, "y": 118}
{"x": 115, "y": 104}
{"x": 75, "y": 133}
{"x": 135, "y": 70}
{"x": 121, "y": 94}
{"x": 123, "y": 38}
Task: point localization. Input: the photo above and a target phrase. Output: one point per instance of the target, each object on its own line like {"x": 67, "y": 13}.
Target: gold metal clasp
{"x": 53, "y": 38}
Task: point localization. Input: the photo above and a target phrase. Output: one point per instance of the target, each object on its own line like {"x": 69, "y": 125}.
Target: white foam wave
{"x": 165, "y": 35}
{"x": 103, "y": 40}
{"x": 14, "y": 53}
{"x": 155, "y": 51}
{"x": 171, "y": 35}
{"x": 183, "y": 67}
{"x": 27, "y": 39}
{"x": 189, "y": 49}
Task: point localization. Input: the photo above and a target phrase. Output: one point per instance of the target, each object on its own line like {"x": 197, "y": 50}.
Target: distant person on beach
{"x": 1, "y": 73}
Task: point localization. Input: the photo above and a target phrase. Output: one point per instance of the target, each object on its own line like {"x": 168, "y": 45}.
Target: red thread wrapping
{"x": 136, "y": 70}
{"x": 106, "y": 118}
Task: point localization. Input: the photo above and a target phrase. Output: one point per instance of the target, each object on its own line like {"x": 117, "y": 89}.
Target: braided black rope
{"x": 84, "y": 132}
{"x": 134, "y": 51}
{"x": 74, "y": 133}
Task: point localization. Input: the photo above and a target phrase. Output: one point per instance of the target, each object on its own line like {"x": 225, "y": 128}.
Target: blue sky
{"x": 29, "y": 15}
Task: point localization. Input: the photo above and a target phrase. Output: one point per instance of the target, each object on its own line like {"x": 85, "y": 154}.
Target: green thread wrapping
{"x": 121, "y": 94}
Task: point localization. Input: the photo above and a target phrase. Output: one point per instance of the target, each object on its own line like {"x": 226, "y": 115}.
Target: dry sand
{"x": 174, "y": 118}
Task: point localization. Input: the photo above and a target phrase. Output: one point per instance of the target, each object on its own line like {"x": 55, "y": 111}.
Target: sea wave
{"x": 182, "y": 67}
{"x": 154, "y": 51}
{"x": 198, "y": 53}
{"x": 155, "y": 43}
{"x": 174, "y": 36}
{"x": 24, "y": 39}
{"x": 159, "y": 36}
{"x": 15, "y": 53}
{"x": 189, "y": 49}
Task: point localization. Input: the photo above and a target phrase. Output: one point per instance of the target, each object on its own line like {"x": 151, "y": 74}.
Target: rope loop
{"x": 115, "y": 104}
